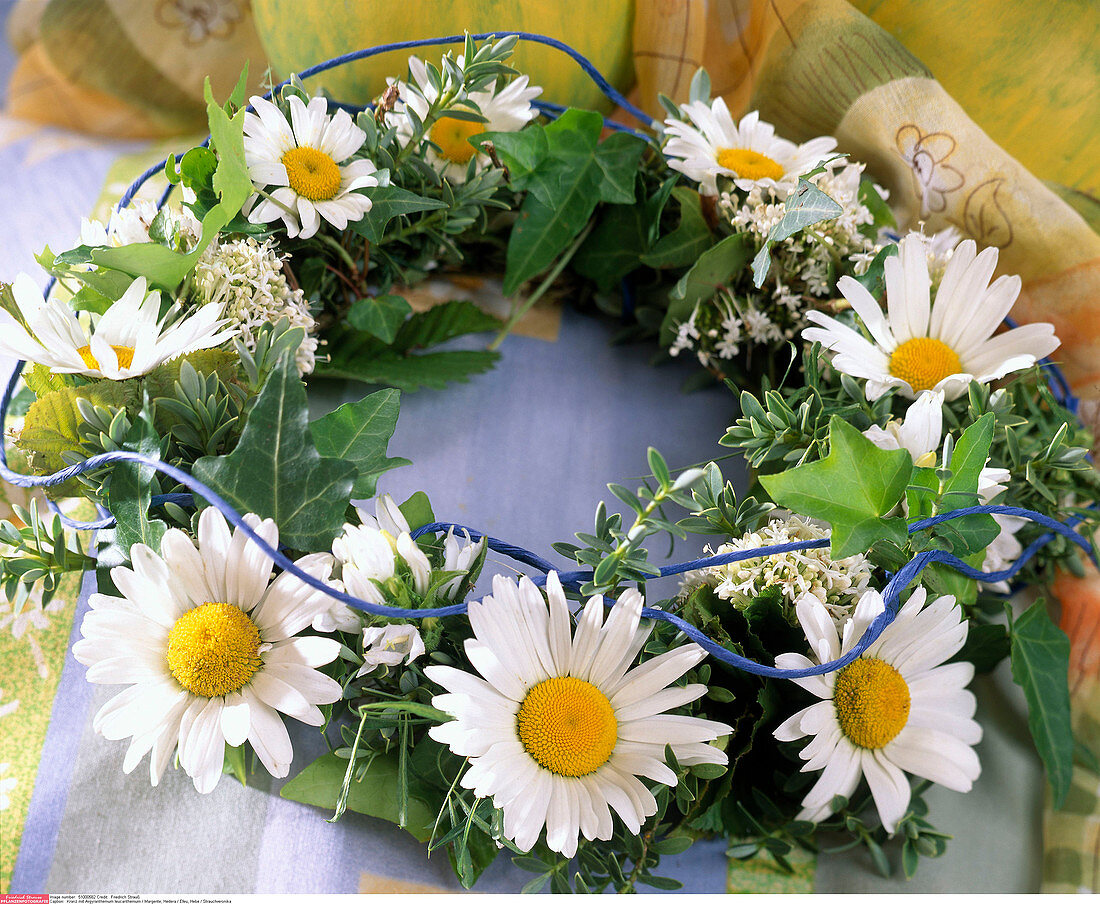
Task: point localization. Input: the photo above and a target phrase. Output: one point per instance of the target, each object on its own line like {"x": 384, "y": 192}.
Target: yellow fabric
{"x": 128, "y": 68}
{"x": 1026, "y": 73}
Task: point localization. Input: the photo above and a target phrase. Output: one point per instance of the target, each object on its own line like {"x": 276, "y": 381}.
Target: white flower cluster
{"x": 803, "y": 269}
{"x": 247, "y": 277}
{"x": 835, "y": 584}
{"x": 372, "y": 553}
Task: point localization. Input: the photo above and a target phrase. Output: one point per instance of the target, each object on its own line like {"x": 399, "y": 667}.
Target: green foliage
{"x": 691, "y": 237}
{"x": 164, "y": 267}
{"x": 854, "y": 488}
{"x": 373, "y": 791}
{"x": 41, "y": 380}
{"x": 359, "y": 354}
{"x": 381, "y": 316}
{"x": 52, "y": 425}
{"x": 275, "y": 470}
{"x": 40, "y": 552}
{"x": 710, "y": 273}
{"x": 359, "y": 432}
{"x": 202, "y": 415}
{"x": 617, "y": 555}
{"x": 806, "y": 206}
{"x": 566, "y": 171}
{"x": 387, "y": 203}
{"x": 719, "y": 511}
{"x": 131, "y": 487}
{"x": 1040, "y": 662}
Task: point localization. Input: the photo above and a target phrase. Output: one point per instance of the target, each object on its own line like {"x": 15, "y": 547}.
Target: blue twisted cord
{"x": 891, "y": 594}
{"x": 590, "y": 70}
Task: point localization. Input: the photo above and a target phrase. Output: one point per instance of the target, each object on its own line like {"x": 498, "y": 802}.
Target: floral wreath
{"x": 165, "y": 385}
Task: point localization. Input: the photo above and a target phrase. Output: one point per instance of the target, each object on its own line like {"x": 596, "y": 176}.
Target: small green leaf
{"x": 359, "y": 432}
{"x": 381, "y": 316}
{"x": 1040, "y": 663}
{"x": 854, "y": 488}
{"x": 164, "y": 268}
{"x": 388, "y": 202}
{"x": 410, "y": 372}
{"x": 713, "y": 270}
{"x": 691, "y": 237}
{"x": 129, "y": 492}
{"x": 417, "y": 510}
{"x": 235, "y": 763}
{"x": 375, "y": 794}
{"x": 806, "y": 206}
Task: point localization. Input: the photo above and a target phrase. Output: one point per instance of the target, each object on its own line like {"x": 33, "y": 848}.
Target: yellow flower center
{"x": 213, "y": 649}
{"x": 872, "y": 702}
{"x": 450, "y": 135}
{"x": 313, "y": 174}
{"x": 567, "y": 725}
{"x": 124, "y": 353}
{"x": 749, "y": 164}
{"x": 923, "y": 362}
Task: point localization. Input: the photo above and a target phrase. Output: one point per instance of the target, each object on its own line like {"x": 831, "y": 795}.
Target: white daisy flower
{"x": 919, "y": 433}
{"x": 128, "y": 340}
{"x": 390, "y": 645}
{"x": 560, "y": 727}
{"x": 307, "y": 159}
{"x": 209, "y": 646}
{"x": 943, "y": 344}
{"x": 748, "y": 152}
{"x": 508, "y": 109}
{"x": 896, "y": 709}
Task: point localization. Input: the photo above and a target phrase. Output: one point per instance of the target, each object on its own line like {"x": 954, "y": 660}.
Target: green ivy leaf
{"x": 442, "y": 322}
{"x": 521, "y": 152}
{"x": 129, "y": 492}
{"x": 375, "y": 794}
{"x": 1040, "y": 663}
{"x": 806, "y": 206}
{"x": 359, "y": 432}
{"x": 576, "y": 172}
{"x": 874, "y": 280}
{"x": 276, "y": 472}
{"x": 614, "y": 247}
{"x": 853, "y": 488}
{"x": 381, "y": 316}
{"x": 387, "y": 203}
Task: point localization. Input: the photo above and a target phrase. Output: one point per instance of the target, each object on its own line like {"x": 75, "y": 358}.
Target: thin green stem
{"x": 548, "y": 281}
{"x": 340, "y": 250}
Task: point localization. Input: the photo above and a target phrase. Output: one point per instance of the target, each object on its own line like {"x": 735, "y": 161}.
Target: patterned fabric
{"x": 128, "y": 68}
